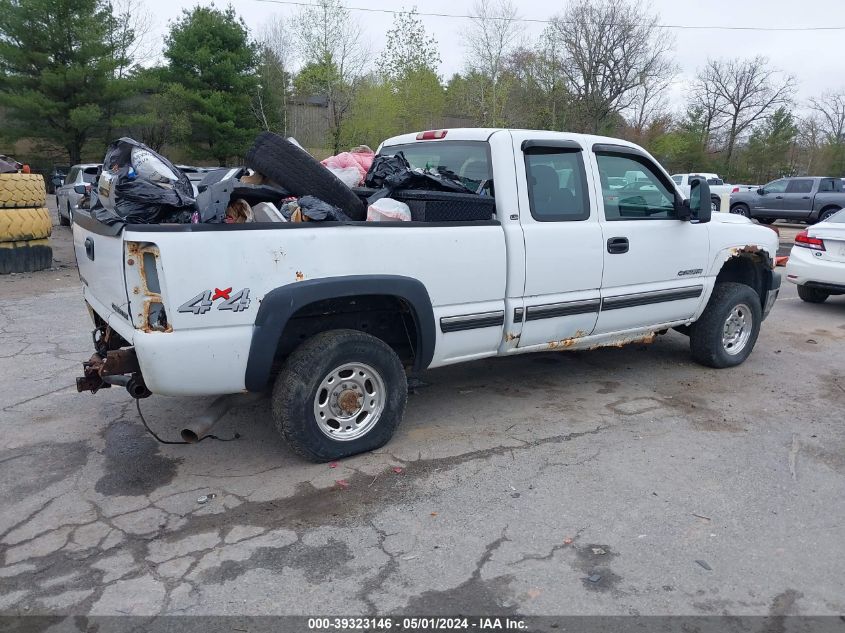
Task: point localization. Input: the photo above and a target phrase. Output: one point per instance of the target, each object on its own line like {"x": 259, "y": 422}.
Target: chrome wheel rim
{"x": 349, "y": 401}
{"x": 737, "y": 329}
{"x": 714, "y": 208}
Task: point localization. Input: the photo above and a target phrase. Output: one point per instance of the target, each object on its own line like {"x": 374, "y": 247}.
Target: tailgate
{"x": 99, "y": 255}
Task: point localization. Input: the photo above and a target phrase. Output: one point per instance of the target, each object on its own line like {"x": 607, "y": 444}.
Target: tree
{"x": 211, "y": 69}
{"x": 59, "y": 76}
{"x": 830, "y": 111}
{"x": 743, "y": 92}
{"x": 770, "y": 148}
{"x": 275, "y": 49}
{"x": 408, "y": 49}
{"x": 329, "y": 41}
{"x": 493, "y": 36}
{"x": 611, "y": 55}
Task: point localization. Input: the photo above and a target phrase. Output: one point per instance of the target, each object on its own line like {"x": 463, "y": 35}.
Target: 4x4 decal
{"x": 204, "y": 301}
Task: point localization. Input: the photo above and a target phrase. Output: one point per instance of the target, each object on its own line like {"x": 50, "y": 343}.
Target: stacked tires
{"x": 25, "y": 224}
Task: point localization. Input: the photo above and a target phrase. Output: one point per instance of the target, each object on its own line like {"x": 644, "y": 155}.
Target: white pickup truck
{"x": 333, "y": 316}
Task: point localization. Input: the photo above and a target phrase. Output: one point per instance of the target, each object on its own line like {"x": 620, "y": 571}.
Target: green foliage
{"x": 767, "y": 155}
{"x": 59, "y": 61}
{"x": 211, "y": 72}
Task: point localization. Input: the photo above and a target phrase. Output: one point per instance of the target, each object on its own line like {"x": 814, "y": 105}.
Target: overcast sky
{"x": 814, "y": 57}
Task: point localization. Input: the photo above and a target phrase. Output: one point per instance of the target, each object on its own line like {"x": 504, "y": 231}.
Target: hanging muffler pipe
{"x": 201, "y": 427}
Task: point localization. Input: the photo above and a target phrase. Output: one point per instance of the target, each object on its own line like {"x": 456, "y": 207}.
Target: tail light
{"x": 805, "y": 241}
{"x": 431, "y": 135}
{"x": 735, "y": 190}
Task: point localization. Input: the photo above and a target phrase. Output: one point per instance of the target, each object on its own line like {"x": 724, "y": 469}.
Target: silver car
{"x": 78, "y": 184}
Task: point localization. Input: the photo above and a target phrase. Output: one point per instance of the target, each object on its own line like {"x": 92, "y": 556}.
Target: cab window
{"x": 646, "y": 195}
{"x": 804, "y": 185}
{"x": 557, "y": 185}
{"x": 469, "y": 160}
{"x": 776, "y": 186}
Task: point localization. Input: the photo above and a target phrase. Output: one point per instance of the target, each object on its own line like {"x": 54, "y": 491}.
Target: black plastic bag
{"x": 139, "y": 186}
{"x": 319, "y": 211}
{"x": 385, "y": 166}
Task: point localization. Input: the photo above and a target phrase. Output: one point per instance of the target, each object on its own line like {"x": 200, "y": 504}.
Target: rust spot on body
{"x": 510, "y": 336}
{"x": 299, "y": 275}
{"x": 567, "y": 342}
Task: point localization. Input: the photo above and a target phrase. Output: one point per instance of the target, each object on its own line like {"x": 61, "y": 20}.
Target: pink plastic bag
{"x": 360, "y": 157}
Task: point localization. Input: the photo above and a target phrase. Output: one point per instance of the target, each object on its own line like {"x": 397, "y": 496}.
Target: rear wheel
{"x": 340, "y": 393}
{"x": 812, "y": 295}
{"x": 64, "y": 220}
{"x": 728, "y": 328}
{"x": 826, "y": 213}
{"x": 741, "y": 209}
{"x": 715, "y": 204}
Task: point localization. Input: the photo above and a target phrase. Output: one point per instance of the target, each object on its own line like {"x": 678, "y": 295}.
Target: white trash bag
{"x": 388, "y": 210}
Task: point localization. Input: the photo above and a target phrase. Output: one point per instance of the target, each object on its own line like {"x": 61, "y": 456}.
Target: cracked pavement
{"x": 559, "y": 483}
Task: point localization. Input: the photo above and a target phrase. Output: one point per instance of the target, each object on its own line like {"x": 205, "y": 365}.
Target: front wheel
{"x": 741, "y": 209}
{"x": 340, "y": 393}
{"x": 728, "y": 328}
{"x": 812, "y": 295}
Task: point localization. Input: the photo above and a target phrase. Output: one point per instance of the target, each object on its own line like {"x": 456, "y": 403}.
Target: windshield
{"x": 470, "y": 160}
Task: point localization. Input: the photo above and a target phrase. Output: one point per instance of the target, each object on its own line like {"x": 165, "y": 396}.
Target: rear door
{"x": 797, "y": 199}
{"x": 654, "y": 263}
{"x": 563, "y": 242}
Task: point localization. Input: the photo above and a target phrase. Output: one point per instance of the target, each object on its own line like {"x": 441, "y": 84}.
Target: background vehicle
{"x": 810, "y": 199}
{"x": 333, "y": 314}
{"x": 56, "y": 178}
{"x": 717, "y": 186}
{"x": 817, "y": 261}
{"x": 79, "y": 180}
{"x": 195, "y": 174}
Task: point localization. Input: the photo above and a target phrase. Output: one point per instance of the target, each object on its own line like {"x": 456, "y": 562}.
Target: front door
{"x": 563, "y": 243}
{"x": 770, "y": 202}
{"x": 654, "y": 263}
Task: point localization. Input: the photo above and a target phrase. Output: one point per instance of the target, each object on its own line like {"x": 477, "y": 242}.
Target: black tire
{"x": 25, "y": 257}
{"x": 741, "y": 209}
{"x": 300, "y": 173}
{"x": 706, "y": 334}
{"x": 812, "y": 295}
{"x": 826, "y": 213}
{"x": 64, "y": 221}
{"x": 298, "y": 387}
{"x": 715, "y": 204}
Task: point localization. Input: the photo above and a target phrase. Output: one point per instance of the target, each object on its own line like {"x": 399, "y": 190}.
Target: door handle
{"x": 89, "y": 248}
{"x": 778, "y": 197}
{"x": 805, "y": 197}
{"x": 617, "y": 245}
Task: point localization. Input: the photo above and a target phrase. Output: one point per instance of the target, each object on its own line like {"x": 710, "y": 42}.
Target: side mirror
{"x": 57, "y": 181}
{"x": 698, "y": 206}
{"x": 80, "y": 189}
{"x": 761, "y": 191}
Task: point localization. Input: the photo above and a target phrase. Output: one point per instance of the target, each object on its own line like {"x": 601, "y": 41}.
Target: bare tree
{"x": 494, "y": 34}
{"x": 275, "y": 49}
{"x": 331, "y": 47}
{"x": 744, "y": 91}
{"x": 831, "y": 110}
{"x": 131, "y": 35}
{"x": 650, "y": 102}
{"x": 611, "y": 50}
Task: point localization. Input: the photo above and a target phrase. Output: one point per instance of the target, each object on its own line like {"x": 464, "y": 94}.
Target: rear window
{"x": 715, "y": 181}
{"x": 470, "y": 160}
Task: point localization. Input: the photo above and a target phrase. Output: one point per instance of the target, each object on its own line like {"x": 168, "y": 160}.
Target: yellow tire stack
{"x": 25, "y": 224}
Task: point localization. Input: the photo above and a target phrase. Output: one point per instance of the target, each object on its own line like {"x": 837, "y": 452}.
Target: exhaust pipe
{"x": 134, "y": 385}
{"x": 202, "y": 426}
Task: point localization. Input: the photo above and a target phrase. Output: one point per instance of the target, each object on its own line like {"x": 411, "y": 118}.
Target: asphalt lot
{"x": 510, "y": 485}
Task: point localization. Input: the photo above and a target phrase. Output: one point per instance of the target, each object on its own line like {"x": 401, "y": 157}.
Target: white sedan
{"x": 817, "y": 260}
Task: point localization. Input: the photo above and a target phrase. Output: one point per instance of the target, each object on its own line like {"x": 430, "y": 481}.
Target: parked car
{"x": 333, "y": 314}
{"x": 817, "y": 260}
{"x": 56, "y": 178}
{"x": 195, "y": 174}
{"x": 77, "y": 185}
{"x": 806, "y": 199}
{"x": 717, "y": 187}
